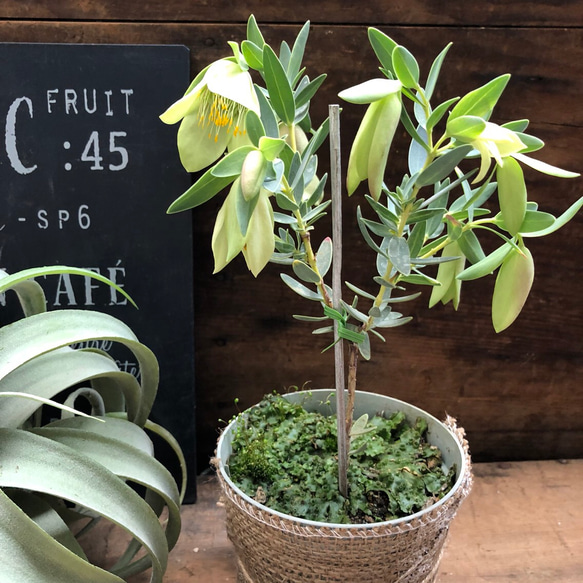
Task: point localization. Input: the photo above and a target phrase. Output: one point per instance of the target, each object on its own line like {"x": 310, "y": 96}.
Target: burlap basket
{"x": 275, "y": 548}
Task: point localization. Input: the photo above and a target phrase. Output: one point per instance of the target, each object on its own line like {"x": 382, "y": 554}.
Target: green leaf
{"x": 200, "y": 192}
{"x": 383, "y": 46}
{"x": 470, "y": 247}
{"x": 305, "y": 272}
{"x": 434, "y": 72}
{"x": 511, "y": 194}
{"x": 278, "y": 86}
{"x": 487, "y": 265}
{"x": 268, "y": 117}
{"x": 438, "y": 113}
{"x": 466, "y": 127}
{"x": 254, "y": 127}
{"x": 545, "y": 168}
{"x": 297, "y": 53}
{"x": 253, "y": 54}
{"x": 230, "y": 166}
{"x": 480, "y": 102}
{"x": 560, "y": 221}
{"x": 535, "y": 221}
{"x": 443, "y": 166}
{"x": 512, "y": 287}
{"x": 306, "y": 93}
{"x": 253, "y": 32}
{"x": 406, "y": 67}
{"x": 416, "y": 239}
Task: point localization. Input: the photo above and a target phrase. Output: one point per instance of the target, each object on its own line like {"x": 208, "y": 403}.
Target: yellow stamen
{"x": 220, "y": 112}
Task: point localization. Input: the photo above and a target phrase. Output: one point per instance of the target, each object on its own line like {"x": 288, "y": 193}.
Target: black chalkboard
{"x": 87, "y": 171}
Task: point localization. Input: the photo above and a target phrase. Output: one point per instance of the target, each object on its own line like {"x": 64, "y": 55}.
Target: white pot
{"x": 274, "y": 547}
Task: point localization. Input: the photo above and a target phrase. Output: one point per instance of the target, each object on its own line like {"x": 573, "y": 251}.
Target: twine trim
{"x": 273, "y": 549}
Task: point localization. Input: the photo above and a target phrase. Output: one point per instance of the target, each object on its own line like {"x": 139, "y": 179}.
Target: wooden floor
{"x": 523, "y": 522}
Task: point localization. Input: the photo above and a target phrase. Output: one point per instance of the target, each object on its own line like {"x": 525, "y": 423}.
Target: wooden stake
{"x": 336, "y": 187}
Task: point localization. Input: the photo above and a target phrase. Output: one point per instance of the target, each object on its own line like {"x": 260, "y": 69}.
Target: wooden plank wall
{"x": 519, "y": 393}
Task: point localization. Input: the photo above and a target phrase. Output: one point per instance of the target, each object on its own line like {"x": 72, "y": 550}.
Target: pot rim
{"x": 461, "y": 477}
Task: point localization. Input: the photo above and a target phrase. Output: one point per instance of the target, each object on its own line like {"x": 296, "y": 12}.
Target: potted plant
{"x": 245, "y": 123}
{"x": 62, "y": 468}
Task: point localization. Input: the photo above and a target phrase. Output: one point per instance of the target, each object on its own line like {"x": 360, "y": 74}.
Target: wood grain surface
{"x": 520, "y": 524}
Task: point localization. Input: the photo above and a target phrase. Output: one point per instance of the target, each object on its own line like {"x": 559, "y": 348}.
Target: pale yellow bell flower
{"x": 257, "y": 244}
{"x": 212, "y": 114}
{"x": 495, "y": 142}
{"x": 370, "y": 149}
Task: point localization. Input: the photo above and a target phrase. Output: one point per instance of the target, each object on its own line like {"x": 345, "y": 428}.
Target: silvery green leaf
{"x": 374, "y": 312}
{"x": 398, "y": 252}
{"x": 324, "y": 256}
{"x": 432, "y": 260}
{"x": 364, "y": 232}
{"x": 299, "y": 288}
{"x": 281, "y": 259}
{"x": 297, "y": 52}
{"x": 398, "y": 300}
{"x": 317, "y": 210}
{"x": 356, "y": 314}
{"x": 305, "y": 272}
{"x": 324, "y": 330}
{"x": 359, "y": 291}
{"x": 381, "y": 281}
{"x": 317, "y": 194}
{"x": 393, "y": 321}
{"x": 417, "y": 154}
{"x": 306, "y": 92}
{"x": 268, "y": 117}
{"x": 359, "y": 427}
{"x": 425, "y": 215}
{"x": 443, "y": 166}
{"x": 284, "y": 203}
{"x": 379, "y": 229}
{"x": 284, "y": 219}
{"x": 309, "y": 318}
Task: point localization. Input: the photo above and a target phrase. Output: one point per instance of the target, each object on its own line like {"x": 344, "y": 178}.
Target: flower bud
{"x": 253, "y": 174}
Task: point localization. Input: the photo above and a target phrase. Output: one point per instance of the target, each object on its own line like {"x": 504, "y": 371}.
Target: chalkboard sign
{"x": 87, "y": 171}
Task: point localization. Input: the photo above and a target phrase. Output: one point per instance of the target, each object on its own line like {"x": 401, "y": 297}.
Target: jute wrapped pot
{"x": 272, "y": 547}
